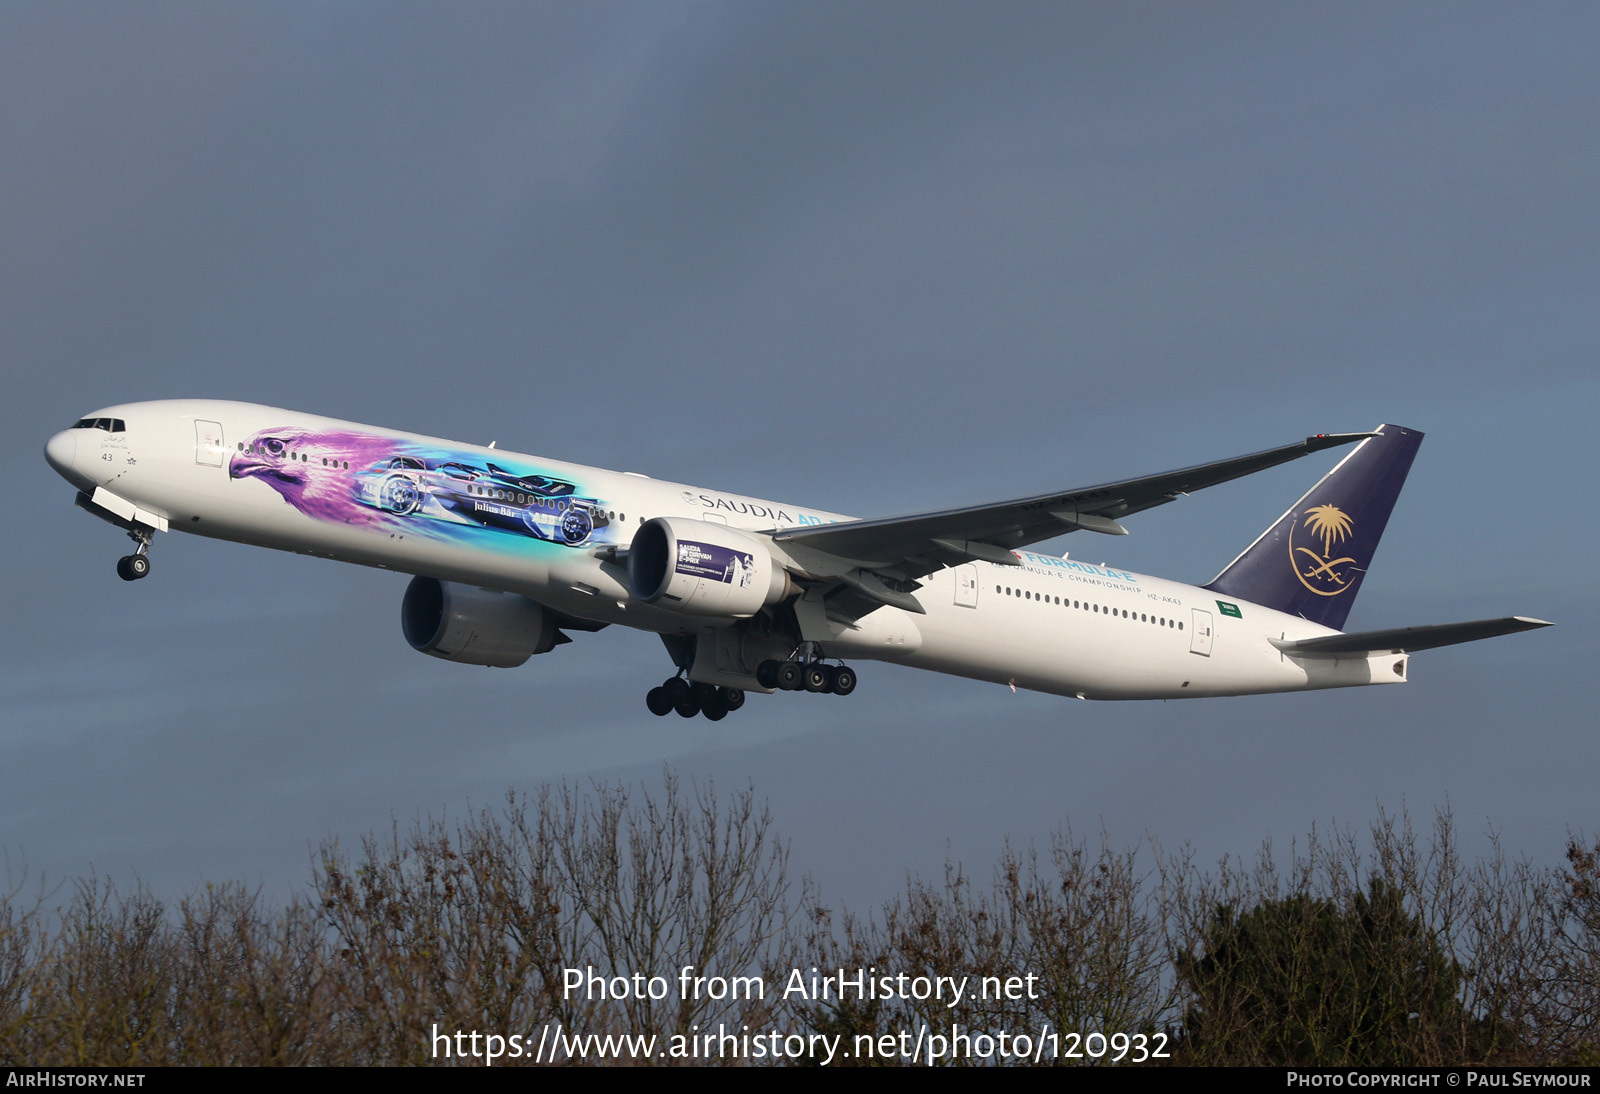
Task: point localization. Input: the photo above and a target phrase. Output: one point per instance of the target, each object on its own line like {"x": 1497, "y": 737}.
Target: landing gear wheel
{"x": 791, "y": 677}
{"x": 658, "y": 702}
{"x": 767, "y": 674}
{"x": 686, "y": 707}
{"x": 818, "y": 679}
{"x": 716, "y": 710}
{"x": 677, "y": 690}
{"x": 132, "y": 567}
{"x": 732, "y": 698}
{"x": 704, "y": 694}
{"x": 844, "y": 680}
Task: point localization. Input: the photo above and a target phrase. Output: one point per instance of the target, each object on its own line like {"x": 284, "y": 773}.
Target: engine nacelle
{"x": 475, "y": 626}
{"x": 702, "y": 568}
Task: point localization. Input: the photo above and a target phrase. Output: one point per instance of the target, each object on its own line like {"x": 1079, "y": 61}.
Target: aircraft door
{"x": 1200, "y": 633}
{"x": 208, "y": 447}
{"x": 967, "y": 586}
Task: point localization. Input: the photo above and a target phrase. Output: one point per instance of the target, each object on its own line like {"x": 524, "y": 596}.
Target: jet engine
{"x": 475, "y": 626}
{"x": 702, "y": 568}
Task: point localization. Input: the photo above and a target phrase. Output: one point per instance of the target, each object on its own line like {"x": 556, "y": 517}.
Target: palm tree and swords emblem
{"x": 1333, "y": 525}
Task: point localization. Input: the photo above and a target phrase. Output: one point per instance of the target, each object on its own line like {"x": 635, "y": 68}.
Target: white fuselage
{"x": 312, "y": 485}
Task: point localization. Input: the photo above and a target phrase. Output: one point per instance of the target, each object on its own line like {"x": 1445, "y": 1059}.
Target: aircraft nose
{"x": 61, "y": 450}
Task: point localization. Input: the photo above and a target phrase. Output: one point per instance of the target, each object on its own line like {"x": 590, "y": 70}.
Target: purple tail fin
{"x": 1311, "y": 562}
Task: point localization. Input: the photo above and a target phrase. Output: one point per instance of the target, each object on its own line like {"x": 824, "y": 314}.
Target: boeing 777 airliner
{"x": 511, "y": 552}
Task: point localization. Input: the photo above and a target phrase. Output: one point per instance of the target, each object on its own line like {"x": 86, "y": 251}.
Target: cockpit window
{"x": 110, "y": 425}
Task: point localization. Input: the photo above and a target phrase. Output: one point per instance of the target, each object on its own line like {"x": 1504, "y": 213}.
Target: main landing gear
{"x": 677, "y": 694}
{"x": 133, "y": 567}
{"x": 803, "y": 671}
{"x": 812, "y": 676}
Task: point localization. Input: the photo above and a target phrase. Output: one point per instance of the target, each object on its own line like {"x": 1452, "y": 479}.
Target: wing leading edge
{"x": 913, "y": 546}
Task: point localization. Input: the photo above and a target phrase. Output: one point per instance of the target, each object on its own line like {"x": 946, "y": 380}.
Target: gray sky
{"x": 867, "y": 257}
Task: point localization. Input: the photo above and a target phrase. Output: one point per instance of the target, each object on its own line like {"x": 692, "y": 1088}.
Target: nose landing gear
{"x": 133, "y": 567}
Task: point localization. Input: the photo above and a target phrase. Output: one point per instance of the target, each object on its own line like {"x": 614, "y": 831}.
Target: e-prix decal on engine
{"x": 1029, "y": 557}
{"x": 717, "y": 563}
{"x": 368, "y": 480}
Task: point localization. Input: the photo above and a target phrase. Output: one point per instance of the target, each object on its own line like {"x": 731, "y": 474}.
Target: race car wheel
{"x": 732, "y": 698}
{"x": 791, "y": 677}
{"x": 844, "y": 680}
{"x": 399, "y": 495}
{"x": 577, "y": 525}
{"x": 656, "y": 699}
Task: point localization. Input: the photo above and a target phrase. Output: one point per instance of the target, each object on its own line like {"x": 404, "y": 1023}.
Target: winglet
{"x": 1333, "y": 440}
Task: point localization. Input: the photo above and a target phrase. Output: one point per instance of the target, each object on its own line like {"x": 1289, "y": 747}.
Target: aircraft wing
{"x": 1407, "y": 639}
{"x": 910, "y": 547}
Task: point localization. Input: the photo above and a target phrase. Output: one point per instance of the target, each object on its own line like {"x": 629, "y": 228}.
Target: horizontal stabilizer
{"x": 1407, "y": 639}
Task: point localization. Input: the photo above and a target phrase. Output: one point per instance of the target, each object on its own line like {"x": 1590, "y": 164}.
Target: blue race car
{"x": 491, "y": 496}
